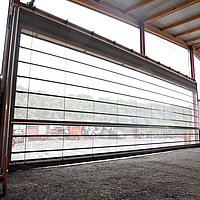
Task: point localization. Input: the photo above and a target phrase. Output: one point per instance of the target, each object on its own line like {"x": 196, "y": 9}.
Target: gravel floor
{"x": 169, "y": 175}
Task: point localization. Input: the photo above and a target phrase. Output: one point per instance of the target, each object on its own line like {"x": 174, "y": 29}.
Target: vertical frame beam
{"x": 195, "y": 106}
{"x": 142, "y": 39}
{"x": 4, "y": 73}
{"x": 192, "y": 62}
{"x": 8, "y": 86}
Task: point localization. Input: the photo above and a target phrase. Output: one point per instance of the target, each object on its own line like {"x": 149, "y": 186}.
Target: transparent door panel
{"x": 26, "y": 41}
{"x": 18, "y": 157}
{"x": 42, "y": 101}
{"x": 20, "y": 113}
{"x": 44, "y": 143}
{"x": 78, "y": 105}
{"x": 19, "y": 130}
{"x": 47, "y": 60}
{"x": 48, "y": 47}
{"x": 80, "y": 80}
{"x": 75, "y": 140}
{"x": 25, "y": 55}
{"x": 106, "y": 96}
{"x": 46, "y": 73}
{"x": 18, "y": 144}
{"x": 146, "y": 103}
{"x": 21, "y": 99}
{"x": 77, "y": 152}
{"x": 79, "y": 92}
{"x": 43, "y": 155}
{"x": 126, "y": 148}
{"x": 46, "y": 87}
{"x": 79, "y": 56}
{"x": 105, "y": 141}
{"x": 144, "y": 112}
{"x": 105, "y": 108}
{"x": 77, "y": 116}
{"x": 105, "y": 118}
{"x": 127, "y": 110}
{"x": 45, "y": 114}
{"x": 128, "y": 120}
{"x": 22, "y": 84}
{"x": 23, "y": 69}
{"x": 70, "y": 87}
{"x": 41, "y": 130}
{"x": 169, "y": 115}
{"x": 79, "y": 68}
{"x": 104, "y": 150}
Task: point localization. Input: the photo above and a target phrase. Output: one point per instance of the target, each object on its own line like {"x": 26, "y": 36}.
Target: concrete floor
{"x": 168, "y": 175}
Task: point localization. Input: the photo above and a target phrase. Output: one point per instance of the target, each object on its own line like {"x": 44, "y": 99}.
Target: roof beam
{"x": 193, "y": 39}
{"x": 197, "y": 53}
{"x": 187, "y": 32}
{"x": 109, "y": 6}
{"x": 137, "y": 6}
{"x": 181, "y": 22}
{"x": 171, "y": 10}
{"x": 196, "y": 44}
{"x": 165, "y": 36}
{"x": 100, "y": 1}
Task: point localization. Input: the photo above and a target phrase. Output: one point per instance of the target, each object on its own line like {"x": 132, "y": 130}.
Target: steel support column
{"x": 192, "y": 62}
{"x": 142, "y": 39}
{"x": 4, "y": 73}
{"x": 8, "y": 85}
{"x": 195, "y": 106}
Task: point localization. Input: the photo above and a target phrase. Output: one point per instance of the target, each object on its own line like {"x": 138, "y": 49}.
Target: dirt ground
{"x": 168, "y": 175}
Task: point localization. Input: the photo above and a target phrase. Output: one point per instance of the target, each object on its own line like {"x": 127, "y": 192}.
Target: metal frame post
{"x": 4, "y": 73}
{"x": 8, "y": 85}
{"x": 192, "y": 62}
{"x": 194, "y": 95}
{"x": 142, "y": 39}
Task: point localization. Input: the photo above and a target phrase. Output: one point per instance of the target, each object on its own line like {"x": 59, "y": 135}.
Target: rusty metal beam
{"x": 180, "y": 22}
{"x": 171, "y": 10}
{"x": 137, "y": 6}
{"x": 193, "y": 39}
{"x": 196, "y": 44}
{"x": 197, "y": 53}
{"x": 187, "y": 32}
{"x": 166, "y": 36}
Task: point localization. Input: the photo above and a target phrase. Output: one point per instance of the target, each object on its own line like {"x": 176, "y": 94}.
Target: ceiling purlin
{"x": 171, "y": 10}
{"x": 196, "y": 45}
{"x": 193, "y": 39}
{"x": 181, "y": 22}
{"x": 166, "y": 36}
{"x": 187, "y": 32}
{"x": 155, "y": 27}
{"x": 121, "y": 11}
{"x": 100, "y": 1}
{"x": 137, "y": 6}
{"x": 197, "y": 53}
